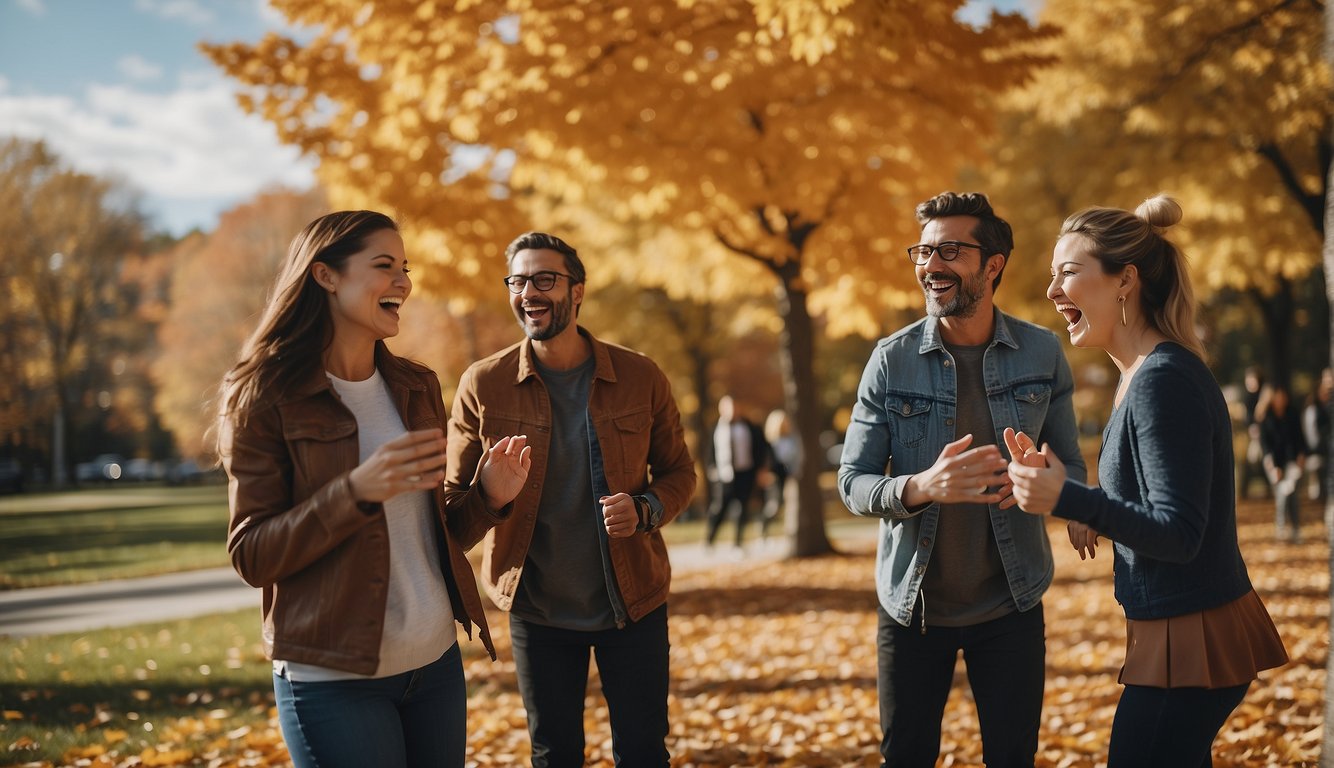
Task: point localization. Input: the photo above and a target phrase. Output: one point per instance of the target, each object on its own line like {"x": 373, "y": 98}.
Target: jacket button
{"x": 949, "y": 422}
{"x": 926, "y": 542}
{"x": 921, "y": 569}
{"x": 907, "y": 409}
{"x": 947, "y": 363}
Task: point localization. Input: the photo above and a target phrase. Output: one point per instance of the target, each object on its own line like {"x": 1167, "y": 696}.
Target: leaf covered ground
{"x": 773, "y": 663}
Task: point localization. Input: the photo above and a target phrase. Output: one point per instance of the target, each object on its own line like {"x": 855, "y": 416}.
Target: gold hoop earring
{"x": 1122, "y": 299}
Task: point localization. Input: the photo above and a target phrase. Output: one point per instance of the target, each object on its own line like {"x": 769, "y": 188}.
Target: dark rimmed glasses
{"x": 542, "y": 281}
{"x": 948, "y": 250}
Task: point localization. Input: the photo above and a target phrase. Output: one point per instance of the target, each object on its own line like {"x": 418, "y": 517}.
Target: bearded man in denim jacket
{"x": 958, "y": 566}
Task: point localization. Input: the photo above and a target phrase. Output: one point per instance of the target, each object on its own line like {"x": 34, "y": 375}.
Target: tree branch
{"x": 1313, "y": 205}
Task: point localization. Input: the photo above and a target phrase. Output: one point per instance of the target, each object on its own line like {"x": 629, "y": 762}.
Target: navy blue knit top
{"x": 1166, "y": 493}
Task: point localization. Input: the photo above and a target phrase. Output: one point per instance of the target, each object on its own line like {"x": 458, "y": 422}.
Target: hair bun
{"x": 1160, "y": 211}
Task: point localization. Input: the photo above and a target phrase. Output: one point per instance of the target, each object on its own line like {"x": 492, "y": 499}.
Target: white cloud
{"x": 192, "y": 144}
{"x": 189, "y": 11}
{"x": 136, "y": 67}
{"x": 35, "y": 7}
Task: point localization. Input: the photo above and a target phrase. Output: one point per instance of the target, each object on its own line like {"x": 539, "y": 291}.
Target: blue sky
{"x": 118, "y": 87}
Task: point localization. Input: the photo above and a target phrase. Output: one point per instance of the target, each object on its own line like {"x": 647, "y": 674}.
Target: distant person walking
{"x": 740, "y": 453}
{"x": 335, "y": 453}
{"x": 784, "y": 467}
{"x": 1315, "y": 426}
{"x": 1284, "y": 455}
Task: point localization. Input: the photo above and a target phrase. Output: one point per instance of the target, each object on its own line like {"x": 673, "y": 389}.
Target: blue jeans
{"x": 552, "y": 668}
{"x": 1169, "y": 727}
{"x": 416, "y": 718}
{"x": 1006, "y": 661}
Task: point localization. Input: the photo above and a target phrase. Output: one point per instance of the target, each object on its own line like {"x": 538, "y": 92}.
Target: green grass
{"x": 121, "y": 686}
{"x": 86, "y": 536}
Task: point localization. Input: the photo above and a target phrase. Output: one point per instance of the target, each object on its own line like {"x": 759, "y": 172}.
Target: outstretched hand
{"x": 505, "y": 469}
{"x": 1037, "y": 476}
{"x": 959, "y": 476}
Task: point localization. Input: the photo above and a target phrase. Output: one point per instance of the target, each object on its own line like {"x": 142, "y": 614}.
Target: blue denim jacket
{"x": 903, "y": 418}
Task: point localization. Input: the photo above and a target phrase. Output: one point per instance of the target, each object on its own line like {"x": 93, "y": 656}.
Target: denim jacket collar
{"x": 932, "y": 339}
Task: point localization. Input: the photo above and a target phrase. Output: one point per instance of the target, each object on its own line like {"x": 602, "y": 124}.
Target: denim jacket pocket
{"x": 1030, "y": 402}
{"x": 909, "y": 419}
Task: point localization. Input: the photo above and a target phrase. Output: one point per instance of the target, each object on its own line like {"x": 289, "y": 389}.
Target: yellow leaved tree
{"x": 796, "y": 134}
{"x": 1225, "y": 105}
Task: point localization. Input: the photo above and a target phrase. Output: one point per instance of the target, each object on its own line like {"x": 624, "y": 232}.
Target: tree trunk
{"x": 805, "y": 523}
{"x": 1277, "y": 311}
{"x": 699, "y": 422}
{"x": 1327, "y": 743}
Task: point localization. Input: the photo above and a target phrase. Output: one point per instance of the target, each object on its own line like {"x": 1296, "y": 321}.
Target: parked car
{"x": 11, "y": 476}
{"x": 185, "y": 472}
{"x": 104, "y": 468}
{"x": 142, "y": 470}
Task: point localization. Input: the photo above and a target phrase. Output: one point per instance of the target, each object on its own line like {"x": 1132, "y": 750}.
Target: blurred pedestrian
{"x": 579, "y": 563}
{"x": 740, "y": 455}
{"x": 1196, "y": 631}
{"x": 335, "y": 454}
{"x": 958, "y": 568}
{"x": 1252, "y": 464}
{"x": 1284, "y": 448}
{"x": 784, "y": 466}
{"x": 1315, "y": 426}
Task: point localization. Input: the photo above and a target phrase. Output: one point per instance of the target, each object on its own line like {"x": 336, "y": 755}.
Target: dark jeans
{"x": 738, "y": 491}
{"x": 552, "y": 668}
{"x": 1169, "y": 727}
{"x": 411, "y": 719}
{"x": 1006, "y": 662}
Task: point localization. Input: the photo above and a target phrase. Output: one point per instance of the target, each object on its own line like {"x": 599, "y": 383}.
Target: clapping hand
{"x": 1037, "y": 476}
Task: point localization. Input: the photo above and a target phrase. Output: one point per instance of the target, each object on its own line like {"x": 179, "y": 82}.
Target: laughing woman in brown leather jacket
{"x": 335, "y": 453}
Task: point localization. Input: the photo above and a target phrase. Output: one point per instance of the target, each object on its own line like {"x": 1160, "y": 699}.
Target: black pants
{"x": 552, "y": 668}
{"x": 1169, "y": 727}
{"x": 739, "y": 490}
{"x": 1006, "y": 663}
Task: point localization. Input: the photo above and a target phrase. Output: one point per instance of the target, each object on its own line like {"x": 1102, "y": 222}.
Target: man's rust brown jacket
{"x": 642, "y": 445}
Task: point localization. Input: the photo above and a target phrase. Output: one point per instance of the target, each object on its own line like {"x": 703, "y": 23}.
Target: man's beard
{"x": 558, "y": 316}
{"x": 967, "y": 295}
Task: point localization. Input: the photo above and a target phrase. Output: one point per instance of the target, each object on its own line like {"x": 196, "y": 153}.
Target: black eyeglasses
{"x": 542, "y": 281}
{"x": 948, "y": 250}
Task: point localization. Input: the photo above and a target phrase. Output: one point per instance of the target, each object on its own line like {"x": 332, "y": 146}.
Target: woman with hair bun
{"x": 1196, "y": 631}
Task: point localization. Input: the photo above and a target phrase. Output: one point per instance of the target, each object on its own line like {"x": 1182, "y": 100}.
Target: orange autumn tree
{"x": 1226, "y": 105}
{"x": 797, "y": 134}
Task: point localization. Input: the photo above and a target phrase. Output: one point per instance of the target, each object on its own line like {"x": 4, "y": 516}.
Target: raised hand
{"x": 505, "y": 469}
{"x": 414, "y": 461}
{"x": 1037, "y": 476}
{"x": 959, "y": 476}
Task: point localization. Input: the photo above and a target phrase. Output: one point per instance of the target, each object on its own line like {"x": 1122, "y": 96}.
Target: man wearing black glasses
{"x": 959, "y": 566}
{"x": 579, "y": 562}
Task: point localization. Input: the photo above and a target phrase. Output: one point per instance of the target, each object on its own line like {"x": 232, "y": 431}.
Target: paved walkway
{"x": 53, "y": 610}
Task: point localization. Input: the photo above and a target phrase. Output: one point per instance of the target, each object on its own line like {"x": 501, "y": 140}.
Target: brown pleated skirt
{"x": 1218, "y": 648}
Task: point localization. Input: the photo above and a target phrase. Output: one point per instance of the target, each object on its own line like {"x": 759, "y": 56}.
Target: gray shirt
{"x": 965, "y": 581}
{"x": 563, "y": 583}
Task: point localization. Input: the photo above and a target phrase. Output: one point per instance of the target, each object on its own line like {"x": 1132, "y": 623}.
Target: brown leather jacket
{"x": 321, "y": 558}
{"x": 643, "y": 448}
